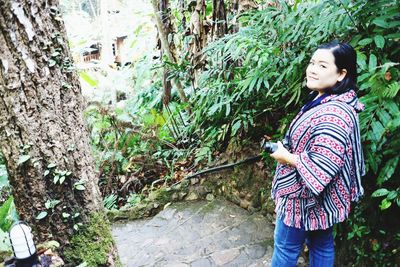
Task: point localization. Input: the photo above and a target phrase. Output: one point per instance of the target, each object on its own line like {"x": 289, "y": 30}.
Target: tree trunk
{"x": 166, "y": 48}
{"x": 199, "y": 30}
{"x": 167, "y": 25}
{"x": 220, "y": 25}
{"x": 43, "y": 136}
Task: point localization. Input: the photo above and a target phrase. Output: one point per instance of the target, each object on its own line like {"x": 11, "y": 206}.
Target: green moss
{"x": 93, "y": 244}
{"x": 146, "y": 208}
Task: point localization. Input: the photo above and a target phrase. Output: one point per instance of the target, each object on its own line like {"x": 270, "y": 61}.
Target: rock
{"x": 202, "y": 191}
{"x": 192, "y": 196}
{"x": 270, "y": 218}
{"x": 255, "y": 251}
{"x": 194, "y": 181}
{"x": 235, "y": 199}
{"x": 178, "y": 186}
{"x": 225, "y": 256}
{"x": 182, "y": 195}
{"x": 176, "y": 264}
{"x": 244, "y": 203}
{"x": 197, "y": 233}
{"x": 174, "y": 196}
{"x": 204, "y": 262}
{"x": 210, "y": 197}
{"x": 248, "y": 196}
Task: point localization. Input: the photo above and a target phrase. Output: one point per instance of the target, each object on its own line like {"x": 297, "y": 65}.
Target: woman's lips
{"x": 311, "y": 78}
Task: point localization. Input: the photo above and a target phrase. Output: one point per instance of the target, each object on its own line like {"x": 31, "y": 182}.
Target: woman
{"x": 320, "y": 174}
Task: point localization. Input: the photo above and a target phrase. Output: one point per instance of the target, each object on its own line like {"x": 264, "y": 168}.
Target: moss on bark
{"x": 93, "y": 244}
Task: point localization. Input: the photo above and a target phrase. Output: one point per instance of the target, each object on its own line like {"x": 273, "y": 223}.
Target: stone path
{"x": 196, "y": 234}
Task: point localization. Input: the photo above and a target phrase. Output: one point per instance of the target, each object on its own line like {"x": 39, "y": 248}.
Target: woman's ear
{"x": 342, "y": 74}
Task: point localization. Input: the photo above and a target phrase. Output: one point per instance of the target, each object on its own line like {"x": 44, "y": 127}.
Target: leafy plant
{"x": 110, "y": 201}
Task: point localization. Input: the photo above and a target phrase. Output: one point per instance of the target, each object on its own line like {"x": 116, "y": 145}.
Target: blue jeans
{"x": 289, "y": 242}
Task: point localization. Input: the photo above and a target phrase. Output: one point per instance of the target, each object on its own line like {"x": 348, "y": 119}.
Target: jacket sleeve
{"x": 322, "y": 160}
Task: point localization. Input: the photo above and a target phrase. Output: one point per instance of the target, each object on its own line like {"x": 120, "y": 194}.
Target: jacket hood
{"x": 349, "y": 98}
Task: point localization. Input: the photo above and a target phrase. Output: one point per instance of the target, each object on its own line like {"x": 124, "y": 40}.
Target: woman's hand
{"x": 283, "y": 156}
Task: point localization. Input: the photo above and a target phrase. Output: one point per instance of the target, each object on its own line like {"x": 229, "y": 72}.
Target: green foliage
{"x": 8, "y": 214}
{"x": 253, "y": 84}
{"x": 110, "y": 201}
{"x": 92, "y": 244}
{"x": 3, "y": 176}
{"x": 88, "y": 79}
{"x": 252, "y": 72}
{"x": 254, "y": 80}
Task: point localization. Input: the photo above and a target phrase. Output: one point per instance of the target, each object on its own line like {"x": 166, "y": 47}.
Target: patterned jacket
{"x": 317, "y": 192}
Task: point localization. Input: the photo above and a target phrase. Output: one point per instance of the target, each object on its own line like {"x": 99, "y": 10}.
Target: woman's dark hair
{"x": 345, "y": 58}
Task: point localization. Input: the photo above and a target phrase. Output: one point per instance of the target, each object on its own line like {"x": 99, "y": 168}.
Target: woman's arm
{"x": 324, "y": 156}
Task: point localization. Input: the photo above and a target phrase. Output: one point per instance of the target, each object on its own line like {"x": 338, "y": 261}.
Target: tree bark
{"x": 166, "y": 48}
{"x": 43, "y": 136}
{"x": 167, "y": 25}
{"x": 199, "y": 29}
{"x": 220, "y": 25}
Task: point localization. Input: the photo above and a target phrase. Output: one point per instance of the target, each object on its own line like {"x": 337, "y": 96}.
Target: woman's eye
{"x": 323, "y": 66}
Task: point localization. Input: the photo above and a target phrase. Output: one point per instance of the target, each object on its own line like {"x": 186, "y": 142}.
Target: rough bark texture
{"x": 220, "y": 25}
{"x": 166, "y": 48}
{"x": 165, "y": 18}
{"x": 199, "y": 29}
{"x": 41, "y": 117}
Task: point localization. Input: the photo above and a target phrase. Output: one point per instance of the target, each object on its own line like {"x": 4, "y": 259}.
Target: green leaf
{"x": 56, "y": 178}
{"x": 4, "y": 242}
{"x": 51, "y": 165}
{"x": 380, "y": 192}
{"x": 23, "y": 158}
{"x": 236, "y": 127}
{"x": 379, "y": 41}
{"x": 5, "y": 220}
{"x": 65, "y": 215}
{"x": 46, "y": 172}
{"x": 62, "y": 179}
{"x": 228, "y": 109}
{"x": 86, "y": 77}
{"x": 384, "y": 116}
{"x": 51, "y": 203}
{"x": 381, "y": 23}
{"x": 392, "y": 195}
{"x": 365, "y": 41}
{"x": 388, "y": 170}
{"x": 80, "y": 187}
{"x": 372, "y": 62}
{"x": 41, "y": 215}
{"x": 52, "y": 62}
{"x": 378, "y": 130}
{"x": 385, "y": 204}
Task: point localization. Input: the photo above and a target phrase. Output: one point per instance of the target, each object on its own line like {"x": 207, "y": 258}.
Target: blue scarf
{"x": 313, "y": 103}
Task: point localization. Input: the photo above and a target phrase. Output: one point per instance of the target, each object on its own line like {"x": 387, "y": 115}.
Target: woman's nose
{"x": 312, "y": 69}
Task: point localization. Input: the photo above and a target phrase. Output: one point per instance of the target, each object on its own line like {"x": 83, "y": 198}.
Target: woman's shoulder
{"x": 335, "y": 112}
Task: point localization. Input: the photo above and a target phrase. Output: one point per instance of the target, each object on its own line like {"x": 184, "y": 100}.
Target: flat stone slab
{"x": 191, "y": 234}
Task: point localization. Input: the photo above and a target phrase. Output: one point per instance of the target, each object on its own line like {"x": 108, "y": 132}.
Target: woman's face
{"x": 322, "y": 72}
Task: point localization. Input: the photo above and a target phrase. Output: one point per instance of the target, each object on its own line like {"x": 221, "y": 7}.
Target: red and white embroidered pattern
{"x": 317, "y": 193}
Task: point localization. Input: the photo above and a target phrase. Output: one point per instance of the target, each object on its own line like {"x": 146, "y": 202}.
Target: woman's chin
{"x": 311, "y": 87}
